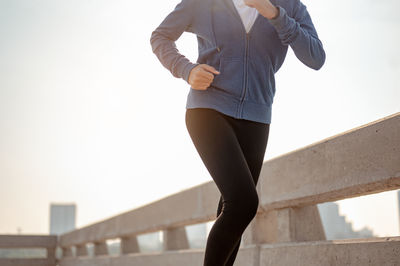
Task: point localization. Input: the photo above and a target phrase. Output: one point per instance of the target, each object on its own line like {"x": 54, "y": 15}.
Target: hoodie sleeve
{"x": 299, "y": 32}
{"x": 164, "y": 36}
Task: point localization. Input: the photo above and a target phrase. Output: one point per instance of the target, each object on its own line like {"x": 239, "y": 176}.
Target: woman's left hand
{"x": 264, "y": 7}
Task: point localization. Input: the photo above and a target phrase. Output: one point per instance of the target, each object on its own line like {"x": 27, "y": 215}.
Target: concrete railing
{"x": 48, "y": 242}
{"x": 287, "y": 229}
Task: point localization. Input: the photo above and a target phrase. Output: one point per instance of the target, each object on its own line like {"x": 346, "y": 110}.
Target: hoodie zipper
{"x": 246, "y": 58}
{"x": 247, "y": 37}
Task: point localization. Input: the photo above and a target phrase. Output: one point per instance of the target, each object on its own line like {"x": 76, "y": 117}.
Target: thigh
{"x": 219, "y": 149}
{"x": 253, "y": 138}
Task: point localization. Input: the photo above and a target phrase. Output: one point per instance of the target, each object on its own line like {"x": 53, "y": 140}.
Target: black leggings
{"x": 233, "y": 152}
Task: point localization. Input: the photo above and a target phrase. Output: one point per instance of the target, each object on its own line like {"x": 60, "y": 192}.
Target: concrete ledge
{"x": 360, "y": 161}
{"x": 26, "y": 262}
{"x": 357, "y": 162}
{"x": 247, "y": 256}
{"x": 28, "y": 241}
{"x": 356, "y": 252}
{"x": 196, "y": 205}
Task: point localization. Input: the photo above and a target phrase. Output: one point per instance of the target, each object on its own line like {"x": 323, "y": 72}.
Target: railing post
{"x": 175, "y": 239}
{"x": 129, "y": 245}
{"x": 66, "y": 252}
{"x": 100, "y": 248}
{"x": 51, "y": 256}
{"x": 81, "y": 250}
{"x": 285, "y": 225}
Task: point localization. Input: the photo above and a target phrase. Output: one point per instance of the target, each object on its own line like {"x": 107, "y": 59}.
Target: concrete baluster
{"x": 66, "y": 252}
{"x": 175, "y": 239}
{"x": 285, "y": 225}
{"x": 51, "y": 255}
{"x": 100, "y": 248}
{"x": 129, "y": 245}
{"x": 81, "y": 250}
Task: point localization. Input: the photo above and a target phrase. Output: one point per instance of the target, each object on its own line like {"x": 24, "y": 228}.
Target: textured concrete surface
{"x": 354, "y": 252}
{"x": 81, "y": 250}
{"x": 129, "y": 245}
{"x": 26, "y": 262}
{"x": 196, "y": 205}
{"x": 372, "y": 252}
{"x": 248, "y": 256}
{"x": 285, "y": 225}
{"x": 175, "y": 239}
{"x": 360, "y": 161}
{"x": 67, "y": 252}
{"x": 357, "y": 162}
{"x": 100, "y": 248}
{"x": 28, "y": 241}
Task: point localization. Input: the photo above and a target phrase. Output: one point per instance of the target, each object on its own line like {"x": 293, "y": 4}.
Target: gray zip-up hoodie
{"x": 247, "y": 62}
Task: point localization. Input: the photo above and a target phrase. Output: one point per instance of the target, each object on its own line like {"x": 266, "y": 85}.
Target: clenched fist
{"x": 264, "y": 7}
{"x": 201, "y": 76}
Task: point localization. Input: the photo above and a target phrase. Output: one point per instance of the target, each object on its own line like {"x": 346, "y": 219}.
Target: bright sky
{"x": 89, "y": 115}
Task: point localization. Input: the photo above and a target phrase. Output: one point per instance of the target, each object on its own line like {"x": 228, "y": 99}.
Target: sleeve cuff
{"x": 186, "y": 71}
{"x": 279, "y": 21}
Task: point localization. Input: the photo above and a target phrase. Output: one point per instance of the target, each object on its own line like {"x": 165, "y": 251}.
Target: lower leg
{"x": 227, "y": 231}
{"x": 232, "y": 257}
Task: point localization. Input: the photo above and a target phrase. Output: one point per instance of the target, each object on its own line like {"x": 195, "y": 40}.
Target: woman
{"x": 241, "y": 44}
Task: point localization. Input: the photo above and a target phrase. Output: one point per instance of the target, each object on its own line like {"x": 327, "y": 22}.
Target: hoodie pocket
{"x": 230, "y": 79}
{"x": 261, "y": 81}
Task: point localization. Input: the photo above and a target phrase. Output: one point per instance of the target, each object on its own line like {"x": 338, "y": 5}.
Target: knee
{"x": 245, "y": 207}
{"x": 252, "y": 205}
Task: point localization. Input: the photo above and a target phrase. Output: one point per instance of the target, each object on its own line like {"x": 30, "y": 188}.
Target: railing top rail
{"x": 360, "y": 161}
{"x": 28, "y": 241}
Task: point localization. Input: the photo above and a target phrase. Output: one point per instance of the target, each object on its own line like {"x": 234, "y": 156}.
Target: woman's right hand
{"x": 201, "y": 76}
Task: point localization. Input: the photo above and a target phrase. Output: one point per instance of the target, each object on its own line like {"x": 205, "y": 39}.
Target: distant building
{"x": 197, "y": 235}
{"x": 62, "y": 218}
{"x": 150, "y": 242}
{"x": 336, "y": 226}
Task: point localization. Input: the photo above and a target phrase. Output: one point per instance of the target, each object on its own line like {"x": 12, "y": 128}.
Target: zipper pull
{"x": 218, "y": 49}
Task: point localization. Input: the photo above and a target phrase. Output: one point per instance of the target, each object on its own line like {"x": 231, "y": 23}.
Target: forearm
{"x": 164, "y": 36}
{"x": 301, "y": 36}
{"x": 169, "y": 56}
